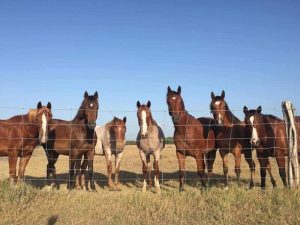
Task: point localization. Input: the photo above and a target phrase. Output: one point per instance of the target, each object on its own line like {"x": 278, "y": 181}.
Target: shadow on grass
{"x": 131, "y": 179}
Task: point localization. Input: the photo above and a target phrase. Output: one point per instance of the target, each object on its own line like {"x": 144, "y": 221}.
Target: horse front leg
{"x": 273, "y": 181}
{"x": 224, "y": 154}
{"x": 280, "y": 158}
{"x": 149, "y": 171}
{"x": 12, "y": 162}
{"x": 144, "y": 169}
{"x": 263, "y": 162}
{"x": 201, "y": 168}
{"x": 71, "y": 171}
{"x": 251, "y": 164}
{"x": 78, "y": 172}
{"x": 90, "y": 157}
{"x": 237, "y": 152}
{"x": 117, "y": 167}
{"x": 181, "y": 162}
{"x": 109, "y": 167}
{"x": 210, "y": 159}
{"x": 22, "y": 166}
{"x": 156, "y": 170}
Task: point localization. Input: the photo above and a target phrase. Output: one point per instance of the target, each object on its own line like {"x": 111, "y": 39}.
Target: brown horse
{"x": 111, "y": 141}
{"x": 192, "y": 137}
{"x": 268, "y": 137}
{"x": 75, "y": 139}
{"x": 21, "y": 134}
{"x": 231, "y": 137}
{"x": 150, "y": 141}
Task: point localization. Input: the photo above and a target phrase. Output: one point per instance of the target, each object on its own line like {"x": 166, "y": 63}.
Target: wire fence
{"x": 168, "y": 165}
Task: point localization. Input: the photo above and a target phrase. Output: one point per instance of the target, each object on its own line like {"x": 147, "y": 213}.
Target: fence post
{"x": 291, "y": 133}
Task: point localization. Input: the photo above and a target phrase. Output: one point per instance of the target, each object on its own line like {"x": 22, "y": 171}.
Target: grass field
{"x": 31, "y": 203}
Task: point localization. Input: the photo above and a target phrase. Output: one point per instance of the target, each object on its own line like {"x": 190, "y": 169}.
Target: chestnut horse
{"x": 150, "y": 141}
{"x": 231, "y": 137}
{"x": 193, "y": 137}
{"x": 75, "y": 139}
{"x": 21, "y": 134}
{"x": 268, "y": 137}
{"x": 111, "y": 141}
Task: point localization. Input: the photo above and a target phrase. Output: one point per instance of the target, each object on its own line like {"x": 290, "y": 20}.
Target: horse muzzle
{"x": 255, "y": 143}
{"x": 144, "y": 136}
{"x": 175, "y": 117}
{"x": 91, "y": 125}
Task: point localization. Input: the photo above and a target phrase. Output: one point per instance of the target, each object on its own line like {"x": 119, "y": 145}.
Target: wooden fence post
{"x": 291, "y": 133}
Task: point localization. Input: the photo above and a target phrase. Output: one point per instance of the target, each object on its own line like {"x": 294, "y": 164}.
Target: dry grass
{"x": 33, "y": 204}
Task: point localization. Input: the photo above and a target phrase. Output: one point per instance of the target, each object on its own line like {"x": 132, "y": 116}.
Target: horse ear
{"x": 149, "y": 104}
{"x": 39, "y": 105}
{"x": 179, "y": 90}
{"x": 86, "y": 94}
{"x": 96, "y": 94}
{"x": 169, "y": 90}
{"x": 223, "y": 94}
{"x": 115, "y": 119}
{"x": 138, "y": 104}
{"x": 124, "y": 119}
{"x": 245, "y": 109}
{"x": 212, "y": 94}
{"x": 259, "y": 109}
{"x": 49, "y": 105}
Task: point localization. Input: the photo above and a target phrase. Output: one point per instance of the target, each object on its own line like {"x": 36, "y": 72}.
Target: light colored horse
{"x": 150, "y": 141}
{"x": 111, "y": 141}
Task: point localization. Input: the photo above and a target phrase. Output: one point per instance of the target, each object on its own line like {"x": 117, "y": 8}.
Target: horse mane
{"x": 32, "y": 115}
{"x": 230, "y": 116}
{"x": 272, "y": 117}
{"x": 79, "y": 114}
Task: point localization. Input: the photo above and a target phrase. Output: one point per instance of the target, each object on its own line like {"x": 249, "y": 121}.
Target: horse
{"x": 193, "y": 137}
{"x": 111, "y": 141}
{"x": 21, "y": 134}
{"x": 150, "y": 141}
{"x": 231, "y": 137}
{"x": 75, "y": 139}
{"x": 268, "y": 137}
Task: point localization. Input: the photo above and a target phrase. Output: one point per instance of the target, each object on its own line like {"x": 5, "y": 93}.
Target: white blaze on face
{"x": 174, "y": 98}
{"x": 217, "y": 103}
{"x": 91, "y": 105}
{"x": 254, "y": 138}
{"x": 144, "y": 123}
{"x": 44, "y": 127}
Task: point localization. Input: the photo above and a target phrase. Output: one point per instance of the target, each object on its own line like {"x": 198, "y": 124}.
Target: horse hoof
{"x": 181, "y": 190}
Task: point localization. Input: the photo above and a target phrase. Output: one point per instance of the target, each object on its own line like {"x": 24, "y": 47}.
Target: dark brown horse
{"x": 231, "y": 137}
{"x": 21, "y": 134}
{"x": 75, "y": 139}
{"x": 111, "y": 141}
{"x": 192, "y": 137}
{"x": 268, "y": 137}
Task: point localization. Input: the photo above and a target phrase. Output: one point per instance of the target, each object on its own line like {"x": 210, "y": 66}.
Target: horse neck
{"x": 231, "y": 119}
{"x": 152, "y": 124}
{"x": 180, "y": 125}
{"x": 29, "y": 126}
{"x": 79, "y": 119}
{"x": 271, "y": 122}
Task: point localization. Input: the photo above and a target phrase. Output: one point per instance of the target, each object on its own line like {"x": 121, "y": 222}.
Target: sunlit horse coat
{"x": 150, "y": 141}
{"x": 108, "y": 144}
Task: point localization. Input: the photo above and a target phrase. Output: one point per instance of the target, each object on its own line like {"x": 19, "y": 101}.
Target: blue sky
{"x": 132, "y": 50}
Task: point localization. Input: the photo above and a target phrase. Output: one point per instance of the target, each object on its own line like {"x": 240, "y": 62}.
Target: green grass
{"x": 25, "y": 204}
